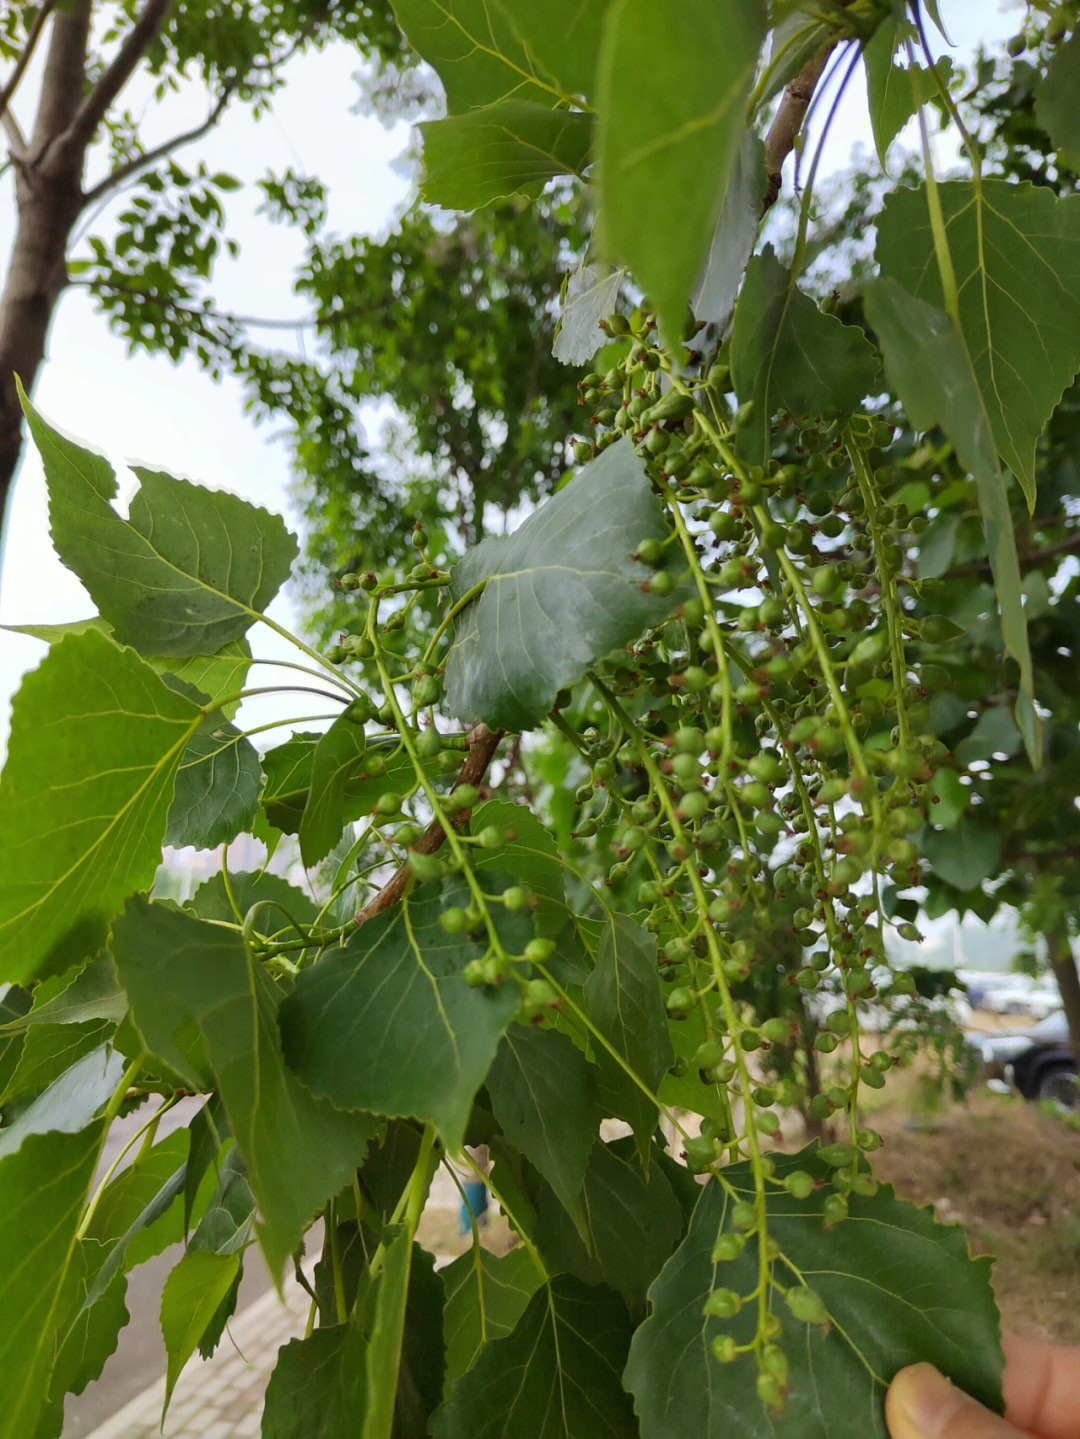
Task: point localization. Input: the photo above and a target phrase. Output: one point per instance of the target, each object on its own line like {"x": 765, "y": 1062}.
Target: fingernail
{"x": 926, "y": 1400}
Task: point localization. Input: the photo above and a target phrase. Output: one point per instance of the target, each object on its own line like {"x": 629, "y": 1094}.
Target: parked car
{"x": 1038, "y": 1061}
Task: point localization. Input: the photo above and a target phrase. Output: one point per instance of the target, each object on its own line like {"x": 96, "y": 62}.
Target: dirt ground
{"x": 1009, "y": 1172}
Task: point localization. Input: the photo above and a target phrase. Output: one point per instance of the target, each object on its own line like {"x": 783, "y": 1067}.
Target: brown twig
{"x": 788, "y": 120}
{"x": 789, "y": 116}
{"x": 482, "y": 744}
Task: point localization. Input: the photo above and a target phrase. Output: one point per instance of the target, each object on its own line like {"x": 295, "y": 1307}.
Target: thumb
{"x": 922, "y": 1404}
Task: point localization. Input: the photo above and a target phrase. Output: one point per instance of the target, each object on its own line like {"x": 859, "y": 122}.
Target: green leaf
{"x": 622, "y": 998}
{"x": 189, "y": 1300}
{"x": 70, "y": 1102}
{"x": 531, "y": 858}
{"x": 338, "y": 758}
{"x": 588, "y": 296}
{"x": 387, "y": 1022}
{"x": 228, "y": 1225}
{"x": 88, "y": 1341}
{"x": 561, "y": 39}
{"x": 189, "y": 569}
{"x": 50, "y": 1050}
{"x": 1055, "y": 100}
{"x": 156, "y": 1226}
{"x": 948, "y": 797}
{"x": 317, "y": 1388}
{"x": 193, "y": 984}
{"x": 385, "y": 1328}
{"x": 217, "y": 788}
{"x": 732, "y": 243}
{"x": 127, "y": 1195}
{"x": 543, "y": 1093}
{"x": 288, "y": 769}
{"x": 486, "y": 1295}
{"x": 209, "y": 1131}
{"x": 898, "y": 1287}
{"x": 560, "y": 592}
{"x": 937, "y": 544}
{"x": 673, "y": 86}
{"x": 632, "y": 1223}
{"x": 787, "y": 355}
{"x": 556, "y": 1376}
{"x": 1016, "y": 253}
{"x": 513, "y": 147}
{"x": 43, "y": 1187}
{"x": 211, "y": 900}
{"x": 963, "y": 856}
{"x": 92, "y": 992}
{"x": 215, "y": 676}
{"x": 475, "y": 52}
{"x": 321, "y": 1387}
{"x": 893, "y": 91}
{"x": 214, "y": 1331}
{"x": 994, "y": 733}
{"x": 78, "y": 830}
{"x": 928, "y": 363}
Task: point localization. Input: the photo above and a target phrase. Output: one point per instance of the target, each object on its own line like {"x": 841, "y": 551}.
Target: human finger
{"x": 1042, "y": 1388}
{"x": 922, "y": 1404}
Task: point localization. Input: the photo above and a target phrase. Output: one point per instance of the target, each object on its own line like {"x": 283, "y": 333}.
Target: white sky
{"x": 174, "y": 417}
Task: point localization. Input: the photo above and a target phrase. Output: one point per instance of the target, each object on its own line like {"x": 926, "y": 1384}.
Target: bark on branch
{"x": 788, "y": 120}
{"x": 482, "y": 744}
{"x": 24, "y": 59}
{"x": 115, "y": 76}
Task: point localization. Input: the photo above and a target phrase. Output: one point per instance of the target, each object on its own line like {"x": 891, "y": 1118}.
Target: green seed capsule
{"x": 834, "y": 1209}
{"x": 806, "y": 1305}
{"x": 743, "y": 1214}
{"x": 699, "y": 1152}
{"x": 722, "y": 1304}
{"x": 680, "y": 1001}
{"x": 774, "y": 1363}
{"x": 723, "y": 1348}
{"x": 799, "y": 1184}
{"x": 539, "y": 951}
{"x": 425, "y": 867}
{"x": 429, "y": 743}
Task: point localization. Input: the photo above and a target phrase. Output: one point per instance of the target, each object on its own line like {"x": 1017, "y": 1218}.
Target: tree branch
{"x": 150, "y": 157}
{"x": 16, "y": 138}
{"x": 788, "y": 120}
{"x": 228, "y": 317}
{"x": 482, "y": 746}
{"x": 115, "y": 75}
{"x": 62, "y": 81}
{"x": 24, "y": 59}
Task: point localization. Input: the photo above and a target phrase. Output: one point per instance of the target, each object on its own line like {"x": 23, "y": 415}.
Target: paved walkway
{"x": 220, "y": 1397}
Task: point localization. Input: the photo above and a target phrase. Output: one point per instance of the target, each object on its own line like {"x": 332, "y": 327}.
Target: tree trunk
{"x": 49, "y": 194}
{"x": 1060, "y": 954}
{"x": 48, "y": 188}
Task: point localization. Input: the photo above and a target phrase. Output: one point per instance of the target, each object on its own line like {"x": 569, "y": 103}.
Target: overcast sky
{"x": 174, "y": 417}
